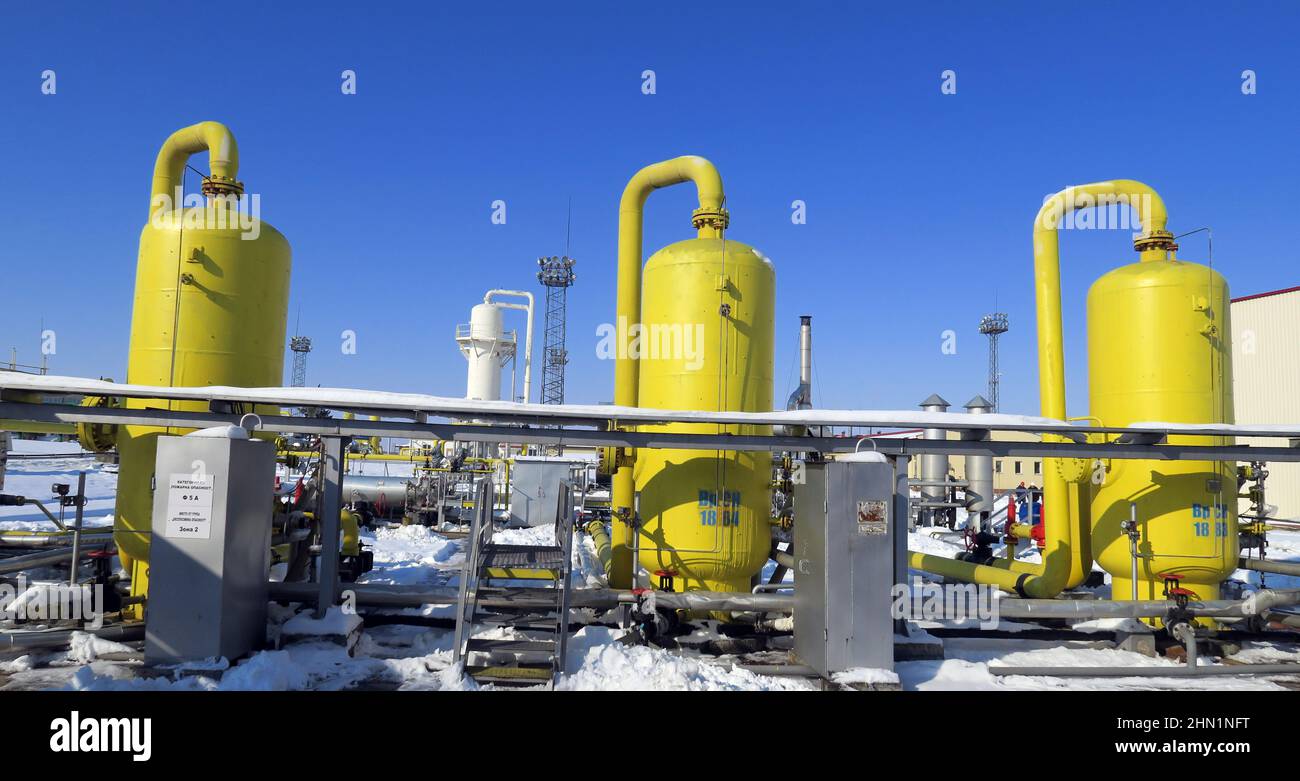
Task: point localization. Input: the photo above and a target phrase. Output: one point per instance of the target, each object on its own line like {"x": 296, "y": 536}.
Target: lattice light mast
{"x": 993, "y": 326}
{"x": 556, "y": 275}
{"x": 300, "y": 345}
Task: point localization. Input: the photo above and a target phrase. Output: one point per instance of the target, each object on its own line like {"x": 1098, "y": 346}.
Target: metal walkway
{"x": 539, "y": 615}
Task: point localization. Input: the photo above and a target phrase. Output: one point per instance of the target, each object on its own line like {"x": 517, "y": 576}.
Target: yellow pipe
{"x": 169, "y": 168}
{"x": 600, "y": 539}
{"x": 1067, "y": 554}
{"x": 348, "y": 520}
{"x": 710, "y": 220}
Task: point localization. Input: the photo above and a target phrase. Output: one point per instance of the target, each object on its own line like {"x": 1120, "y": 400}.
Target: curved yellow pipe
{"x": 1067, "y": 553}
{"x": 169, "y": 168}
{"x": 710, "y": 219}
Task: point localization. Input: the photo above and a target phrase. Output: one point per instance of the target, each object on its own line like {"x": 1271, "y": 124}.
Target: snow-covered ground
{"x": 413, "y": 656}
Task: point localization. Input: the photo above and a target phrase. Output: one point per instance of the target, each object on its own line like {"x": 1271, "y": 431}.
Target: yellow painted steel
{"x": 706, "y": 344}
{"x": 350, "y": 523}
{"x": 211, "y": 298}
{"x": 1067, "y": 551}
{"x": 710, "y": 220}
{"x": 1158, "y": 350}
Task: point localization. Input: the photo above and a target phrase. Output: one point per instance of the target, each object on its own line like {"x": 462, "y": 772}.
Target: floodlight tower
{"x": 556, "y": 275}
{"x": 301, "y": 345}
{"x": 993, "y": 326}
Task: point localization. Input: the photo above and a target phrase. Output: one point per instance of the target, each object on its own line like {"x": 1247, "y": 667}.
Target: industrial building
{"x": 1266, "y": 379}
{"x": 697, "y": 517}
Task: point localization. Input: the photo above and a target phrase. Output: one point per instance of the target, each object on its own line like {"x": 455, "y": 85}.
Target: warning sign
{"x": 189, "y": 506}
{"x": 873, "y": 517}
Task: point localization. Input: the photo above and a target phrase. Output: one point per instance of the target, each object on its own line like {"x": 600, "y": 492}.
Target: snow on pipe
{"x": 1254, "y": 604}
{"x": 528, "y": 332}
{"x": 1149, "y": 672}
{"x": 398, "y": 596}
{"x": 60, "y": 638}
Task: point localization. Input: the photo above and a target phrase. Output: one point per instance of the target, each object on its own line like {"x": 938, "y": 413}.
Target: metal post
{"x": 331, "y": 503}
{"x": 80, "y": 498}
{"x": 899, "y": 529}
{"x": 1133, "y": 536}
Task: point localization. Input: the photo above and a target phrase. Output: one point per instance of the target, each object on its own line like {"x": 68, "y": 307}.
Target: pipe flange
{"x": 1155, "y": 240}
{"x": 221, "y": 185}
{"x": 717, "y": 218}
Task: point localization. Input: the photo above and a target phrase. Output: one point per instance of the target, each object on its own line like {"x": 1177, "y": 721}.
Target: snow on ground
{"x": 397, "y": 656}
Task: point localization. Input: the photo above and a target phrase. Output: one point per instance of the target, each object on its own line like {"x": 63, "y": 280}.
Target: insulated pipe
{"x": 1258, "y": 603}
{"x": 1181, "y": 671}
{"x": 60, "y": 638}
{"x": 1274, "y": 567}
{"x": 22, "y": 538}
{"x": 710, "y": 220}
{"x": 528, "y": 333}
{"x": 169, "y": 169}
{"x": 1067, "y": 553}
{"x": 48, "y": 558}
{"x": 399, "y": 596}
{"x": 600, "y": 540}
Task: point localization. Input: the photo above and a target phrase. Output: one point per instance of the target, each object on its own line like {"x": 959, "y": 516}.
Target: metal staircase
{"x": 491, "y": 596}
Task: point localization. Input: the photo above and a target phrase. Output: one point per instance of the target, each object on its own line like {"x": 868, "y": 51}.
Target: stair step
{"x": 522, "y": 556}
{"x": 518, "y": 619}
{"x": 511, "y": 646}
{"x": 516, "y": 675}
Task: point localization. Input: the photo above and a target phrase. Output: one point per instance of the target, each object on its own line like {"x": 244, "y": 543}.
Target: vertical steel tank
{"x": 211, "y": 304}
{"x": 706, "y": 343}
{"x": 1158, "y": 350}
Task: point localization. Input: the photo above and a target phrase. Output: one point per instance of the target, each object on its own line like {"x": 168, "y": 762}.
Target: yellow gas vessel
{"x": 706, "y": 343}
{"x": 1158, "y": 350}
{"x": 211, "y": 301}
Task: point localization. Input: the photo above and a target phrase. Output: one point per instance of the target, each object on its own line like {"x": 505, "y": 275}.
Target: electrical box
{"x": 846, "y": 539}
{"x": 534, "y": 486}
{"x": 210, "y": 561}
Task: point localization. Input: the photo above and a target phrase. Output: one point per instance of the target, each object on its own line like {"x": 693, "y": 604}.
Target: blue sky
{"x": 919, "y": 204}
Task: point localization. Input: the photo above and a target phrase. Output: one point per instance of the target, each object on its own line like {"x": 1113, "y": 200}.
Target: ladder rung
{"x": 511, "y": 646}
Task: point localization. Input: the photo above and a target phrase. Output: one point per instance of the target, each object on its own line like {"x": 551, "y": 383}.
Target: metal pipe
{"x": 781, "y": 557}
{"x": 376, "y": 595}
{"x": 1270, "y": 566}
{"x": 1180, "y": 671}
{"x": 29, "y": 539}
{"x": 710, "y": 220}
{"x": 169, "y": 168}
{"x": 1257, "y": 603}
{"x": 600, "y": 540}
{"x": 331, "y": 502}
{"x": 979, "y": 474}
{"x": 934, "y": 467}
{"x": 76, "y": 528}
{"x": 59, "y": 638}
{"x": 32, "y": 560}
{"x": 1067, "y": 553}
{"x": 801, "y": 397}
{"x": 528, "y": 334}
